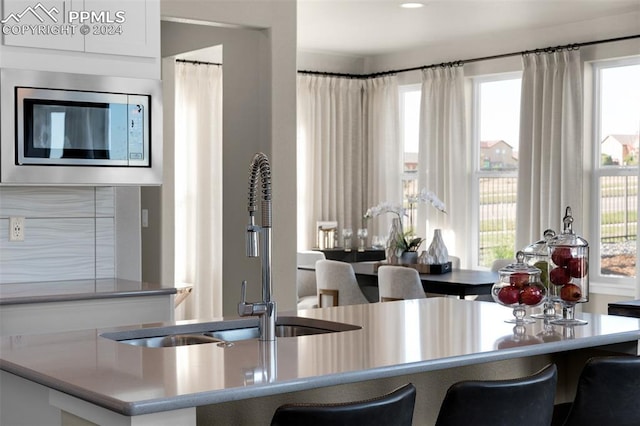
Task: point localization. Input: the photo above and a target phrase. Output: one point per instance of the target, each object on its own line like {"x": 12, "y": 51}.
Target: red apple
{"x": 519, "y": 279}
{"x": 532, "y": 294}
{"x": 570, "y": 293}
{"x": 578, "y": 267}
{"x": 561, "y": 256}
{"x": 559, "y": 276}
{"x": 509, "y": 295}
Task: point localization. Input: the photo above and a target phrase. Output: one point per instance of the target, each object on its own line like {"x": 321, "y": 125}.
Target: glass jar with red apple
{"x": 568, "y": 271}
{"x": 519, "y": 286}
{"x": 537, "y": 254}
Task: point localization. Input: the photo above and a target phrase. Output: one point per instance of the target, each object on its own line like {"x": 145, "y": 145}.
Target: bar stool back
{"x": 526, "y": 401}
{"x": 395, "y": 408}
{"x": 608, "y": 393}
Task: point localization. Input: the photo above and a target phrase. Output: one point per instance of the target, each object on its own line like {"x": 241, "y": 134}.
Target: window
{"x": 615, "y": 174}
{"x": 496, "y": 121}
{"x": 410, "y": 129}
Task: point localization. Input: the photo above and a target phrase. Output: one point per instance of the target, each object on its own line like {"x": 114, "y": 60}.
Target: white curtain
{"x": 443, "y": 160}
{"x": 384, "y": 149}
{"x": 349, "y": 152}
{"x": 198, "y": 186}
{"x": 330, "y": 154}
{"x": 550, "y": 158}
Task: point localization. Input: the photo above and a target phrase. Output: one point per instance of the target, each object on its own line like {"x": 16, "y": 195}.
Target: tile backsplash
{"x": 69, "y": 233}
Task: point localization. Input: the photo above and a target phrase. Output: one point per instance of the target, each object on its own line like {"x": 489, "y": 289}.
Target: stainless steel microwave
{"x": 78, "y": 129}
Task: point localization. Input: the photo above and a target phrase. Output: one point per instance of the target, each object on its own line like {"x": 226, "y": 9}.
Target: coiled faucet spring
{"x": 266, "y": 309}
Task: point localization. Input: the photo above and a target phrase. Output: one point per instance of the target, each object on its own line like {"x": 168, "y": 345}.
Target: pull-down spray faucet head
{"x": 260, "y": 164}
{"x": 266, "y": 309}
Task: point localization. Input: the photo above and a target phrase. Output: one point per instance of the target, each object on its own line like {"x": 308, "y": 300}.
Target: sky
{"x": 620, "y": 101}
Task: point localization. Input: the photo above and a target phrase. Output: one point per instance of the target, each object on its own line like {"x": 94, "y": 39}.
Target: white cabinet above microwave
{"x": 113, "y": 27}
{"x": 59, "y": 129}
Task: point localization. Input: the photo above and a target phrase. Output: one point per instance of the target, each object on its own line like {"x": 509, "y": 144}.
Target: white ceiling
{"x": 373, "y": 27}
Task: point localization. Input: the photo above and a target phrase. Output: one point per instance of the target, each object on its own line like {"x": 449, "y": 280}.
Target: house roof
{"x": 629, "y": 140}
{"x": 490, "y": 144}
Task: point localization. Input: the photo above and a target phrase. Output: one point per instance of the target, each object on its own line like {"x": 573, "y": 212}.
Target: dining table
{"x": 458, "y": 282}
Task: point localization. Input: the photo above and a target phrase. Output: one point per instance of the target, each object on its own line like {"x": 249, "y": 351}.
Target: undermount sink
{"x": 171, "y": 341}
{"x": 282, "y": 330}
{"x": 222, "y": 332}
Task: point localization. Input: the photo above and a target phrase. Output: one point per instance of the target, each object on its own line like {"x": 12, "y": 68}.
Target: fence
{"x": 497, "y": 194}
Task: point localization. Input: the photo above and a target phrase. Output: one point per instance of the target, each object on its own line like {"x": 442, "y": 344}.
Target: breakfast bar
{"x": 431, "y": 342}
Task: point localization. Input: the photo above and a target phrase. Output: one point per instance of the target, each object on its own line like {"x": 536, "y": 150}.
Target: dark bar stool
{"x": 526, "y": 401}
{"x": 395, "y": 408}
{"x": 608, "y": 393}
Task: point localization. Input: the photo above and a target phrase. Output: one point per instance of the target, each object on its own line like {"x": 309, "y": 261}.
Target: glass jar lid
{"x": 520, "y": 267}
{"x": 568, "y": 237}
{"x": 539, "y": 248}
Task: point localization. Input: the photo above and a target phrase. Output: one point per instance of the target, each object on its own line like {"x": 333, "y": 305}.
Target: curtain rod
{"x": 573, "y": 46}
{"x": 187, "y": 61}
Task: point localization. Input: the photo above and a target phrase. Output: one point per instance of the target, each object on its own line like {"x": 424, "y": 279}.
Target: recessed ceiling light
{"x": 411, "y": 4}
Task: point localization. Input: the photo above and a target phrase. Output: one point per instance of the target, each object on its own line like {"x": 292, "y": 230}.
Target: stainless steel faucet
{"x": 266, "y": 309}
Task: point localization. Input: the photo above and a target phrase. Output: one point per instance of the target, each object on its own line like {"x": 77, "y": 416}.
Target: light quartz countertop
{"x": 396, "y": 338}
{"x": 68, "y": 290}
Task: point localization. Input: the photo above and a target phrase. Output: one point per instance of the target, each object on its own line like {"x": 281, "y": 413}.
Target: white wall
{"x": 499, "y": 43}
{"x": 313, "y": 61}
{"x": 259, "y": 114}
{"x": 494, "y": 44}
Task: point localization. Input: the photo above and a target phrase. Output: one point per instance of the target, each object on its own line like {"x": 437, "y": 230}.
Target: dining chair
{"x": 395, "y": 408}
{"x": 306, "y": 287}
{"x": 399, "y": 283}
{"x": 608, "y": 393}
{"x": 336, "y": 280}
{"x": 526, "y": 401}
{"x": 501, "y": 263}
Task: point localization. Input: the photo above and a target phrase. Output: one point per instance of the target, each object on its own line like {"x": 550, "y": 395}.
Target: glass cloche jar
{"x": 537, "y": 254}
{"x": 519, "y": 286}
{"x": 568, "y": 271}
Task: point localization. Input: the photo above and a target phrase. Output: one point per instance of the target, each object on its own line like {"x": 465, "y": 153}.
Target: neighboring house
{"x": 497, "y": 155}
{"x": 621, "y": 149}
{"x": 410, "y": 174}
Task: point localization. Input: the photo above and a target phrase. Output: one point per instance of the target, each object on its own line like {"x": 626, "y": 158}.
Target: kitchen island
{"x": 431, "y": 342}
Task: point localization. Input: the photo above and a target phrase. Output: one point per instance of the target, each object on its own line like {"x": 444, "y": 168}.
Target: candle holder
{"x": 362, "y": 238}
{"x": 347, "y": 233}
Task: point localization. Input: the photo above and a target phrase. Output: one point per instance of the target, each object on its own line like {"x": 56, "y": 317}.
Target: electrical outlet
{"x": 16, "y": 228}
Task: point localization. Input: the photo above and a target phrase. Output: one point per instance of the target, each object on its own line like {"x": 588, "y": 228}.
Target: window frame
{"x": 477, "y": 173}
{"x": 608, "y": 284}
{"x": 402, "y": 91}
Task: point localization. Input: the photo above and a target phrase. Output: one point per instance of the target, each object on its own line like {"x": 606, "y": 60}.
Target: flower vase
{"x": 393, "y": 251}
{"x": 437, "y": 252}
